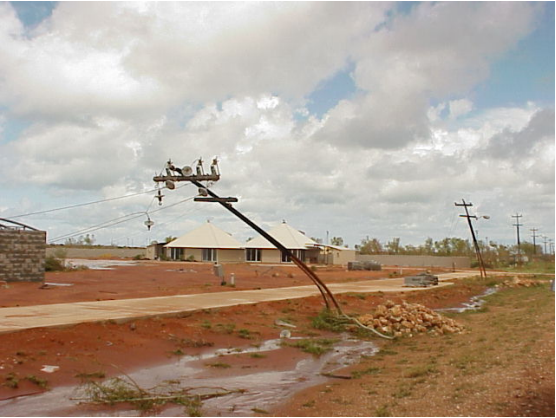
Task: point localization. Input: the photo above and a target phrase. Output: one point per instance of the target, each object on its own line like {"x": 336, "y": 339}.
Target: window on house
{"x": 286, "y": 258}
{"x": 297, "y": 253}
{"x": 253, "y": 254}
{"x": 176, "y": 253}
{"x": 209, "y": 254}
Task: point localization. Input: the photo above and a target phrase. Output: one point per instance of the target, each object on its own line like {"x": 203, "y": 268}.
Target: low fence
{"x": 417, "y": 260}
{"x": 96, "y": 252}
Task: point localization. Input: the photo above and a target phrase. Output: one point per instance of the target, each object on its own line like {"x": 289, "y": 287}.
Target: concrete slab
{"x": 63, "y": 314}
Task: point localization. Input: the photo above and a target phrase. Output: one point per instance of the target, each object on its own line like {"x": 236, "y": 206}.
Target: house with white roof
{"x": 206, "y": 243}
{"x": 259, "y": 249}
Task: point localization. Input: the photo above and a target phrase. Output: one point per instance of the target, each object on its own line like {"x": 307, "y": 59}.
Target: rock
{"x": 389, "y": 304}
{"x": 407, "y": 319}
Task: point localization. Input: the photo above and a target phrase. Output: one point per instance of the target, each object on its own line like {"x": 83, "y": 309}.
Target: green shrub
{"x": 54, "y": 264}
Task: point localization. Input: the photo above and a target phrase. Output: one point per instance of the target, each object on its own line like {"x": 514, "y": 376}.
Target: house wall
{"x": 22, "y": 255}
{"x": 417, "y": 260}
{"x": 222, "y": 255}
{"x": 196, "y": 253}
{"x": 271, "y": 256}
{"x": 231, "y": 256}
{"x": 342, "y": 257}
{"x": 153, "y": 252}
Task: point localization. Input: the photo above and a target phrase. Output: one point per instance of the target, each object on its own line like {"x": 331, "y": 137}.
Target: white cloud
{"x": 460, "y": 107}
{"x": 115, "y": 89}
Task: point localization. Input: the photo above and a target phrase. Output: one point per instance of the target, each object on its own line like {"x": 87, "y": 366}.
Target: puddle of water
{"x": 263, "y": 389}
{"x": 98, "y": 264}
{"x": 475, "y": 302}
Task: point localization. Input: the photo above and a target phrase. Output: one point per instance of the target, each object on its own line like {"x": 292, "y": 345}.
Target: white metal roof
{"x": 289, "y": 237}
{"x": 206, "y": 236}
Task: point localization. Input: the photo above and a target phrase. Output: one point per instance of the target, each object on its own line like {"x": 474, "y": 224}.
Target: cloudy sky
{"x": 352, "y": 119}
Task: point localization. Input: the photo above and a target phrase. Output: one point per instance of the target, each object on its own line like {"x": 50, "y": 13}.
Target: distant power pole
{"x": 517, "y": 225}
{"x": 533, "y": 230}
{"x": 545, "y": 240}
{"x": 475, "y": 243}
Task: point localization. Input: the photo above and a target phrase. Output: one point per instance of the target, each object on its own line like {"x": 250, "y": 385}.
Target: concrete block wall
{"x": 417, "y": 260}
{"x": 22, "y": 254}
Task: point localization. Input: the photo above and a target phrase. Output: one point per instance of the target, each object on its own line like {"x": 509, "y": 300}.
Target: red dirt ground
{"x": 109, "y": 349}
{"x": 105, "y": 347}
{"x": 148, "y": 279}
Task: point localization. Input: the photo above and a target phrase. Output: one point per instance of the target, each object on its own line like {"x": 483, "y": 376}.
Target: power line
{"x": 111, "y": 222}
{"x": 79, "y": 205}
{"x": 85, "y": 204}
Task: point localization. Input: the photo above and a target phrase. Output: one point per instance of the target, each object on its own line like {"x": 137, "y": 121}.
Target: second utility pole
{"x": 475, "y": 243}
{"x": 517, "y": 225}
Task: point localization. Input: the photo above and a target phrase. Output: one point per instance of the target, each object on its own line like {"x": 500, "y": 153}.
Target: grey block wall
{"x": 417, "y": 260}
{"x": 22, "y": 254}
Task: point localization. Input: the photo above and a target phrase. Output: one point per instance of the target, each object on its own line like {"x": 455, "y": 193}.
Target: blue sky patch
{"x": 327, "y": 95}
{"x": 32, "y": 13}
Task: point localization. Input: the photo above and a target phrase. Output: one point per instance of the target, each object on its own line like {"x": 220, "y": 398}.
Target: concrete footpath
{"x": 61, "y": 314}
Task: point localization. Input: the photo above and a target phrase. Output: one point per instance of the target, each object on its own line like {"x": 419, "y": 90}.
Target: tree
{"x": 393, "y": 246}
{"x": 89, "y": 240}
{"x": 337, "y": 241}
{"x": 169, "y": 239}
{"x": 370, "y": 246}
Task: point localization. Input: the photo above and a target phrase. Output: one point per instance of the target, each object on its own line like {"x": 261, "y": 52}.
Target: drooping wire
{"x": 80, "y": 204}
{"x": 102, "y": 225}
{"x": 112, "y": 222}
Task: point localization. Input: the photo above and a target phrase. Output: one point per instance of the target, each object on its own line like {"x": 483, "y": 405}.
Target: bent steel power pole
{"x": 175, "y": 174}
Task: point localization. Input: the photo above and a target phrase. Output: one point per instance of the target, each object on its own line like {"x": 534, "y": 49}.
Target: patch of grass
{"x": 315, "y": 347}
{"x": 218, "y": 365}
{"x": 326, "y": 320}
{"x": 206, "y": 324}
{"x": 245, "y": 333}
{"x": 178, "y": 352}
{"x": 361, "y": 296}
{"x": 402, "y": 392}
{"x": 190, "y": 343}
{"x": 386, "y": 352}
{"x": 42, "y": 383}
{"x": 420, "y": 371}
{"x": 309, "y": 404}
{"x": 257, "y": 355}
{"x": 225, "y": 328}
{"x": 357, "y": 374}
{"x": 12, "y": 381}
{"x": 259, "y": 411}
{"x": 383, "y": 411}
{"x": 92, "y": 375}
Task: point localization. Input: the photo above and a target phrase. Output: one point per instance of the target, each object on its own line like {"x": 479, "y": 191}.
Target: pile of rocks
{"x": 408, "y": 319}
{"x": 521, "y": 282}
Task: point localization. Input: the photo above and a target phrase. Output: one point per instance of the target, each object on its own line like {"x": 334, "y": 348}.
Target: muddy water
{"x": 264, "y": 389}
{"x": 474, "y": 303}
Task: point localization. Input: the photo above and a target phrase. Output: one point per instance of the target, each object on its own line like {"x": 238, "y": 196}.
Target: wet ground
{"x": 278, "y": 373}
{"x": 263, "y": 388}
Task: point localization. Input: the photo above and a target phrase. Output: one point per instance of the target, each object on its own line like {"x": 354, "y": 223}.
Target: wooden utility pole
{"x": 475, "y": 242}
{"x": 517, "y": 225}
{"x": 533, "y": 230}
